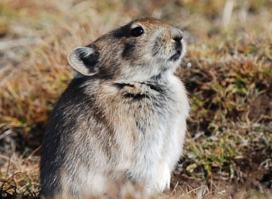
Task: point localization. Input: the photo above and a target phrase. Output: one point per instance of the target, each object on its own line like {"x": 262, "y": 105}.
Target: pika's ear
{"x": 84, "y": 60}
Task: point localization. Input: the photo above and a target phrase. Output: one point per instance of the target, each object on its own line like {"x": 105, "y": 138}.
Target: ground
{"x": 227, "y": 72}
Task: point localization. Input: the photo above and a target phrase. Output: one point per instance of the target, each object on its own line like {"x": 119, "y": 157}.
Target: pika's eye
{"x": 136, "y": 32}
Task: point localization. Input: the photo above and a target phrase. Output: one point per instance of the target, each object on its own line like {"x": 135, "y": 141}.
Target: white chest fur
{"x": 150, "y": 125}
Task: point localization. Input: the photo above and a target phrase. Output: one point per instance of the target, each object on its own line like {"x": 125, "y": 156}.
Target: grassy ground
{"x": 227, "y": 72}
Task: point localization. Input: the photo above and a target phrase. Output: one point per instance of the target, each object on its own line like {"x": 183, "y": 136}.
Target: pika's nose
{"x": 177, "y": 35}
{"x": 178, "y": 38}
{"x": 178, "y": 43}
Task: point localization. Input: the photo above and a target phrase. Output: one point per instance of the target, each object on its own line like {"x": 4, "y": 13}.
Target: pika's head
{"x": 140, "y": 50}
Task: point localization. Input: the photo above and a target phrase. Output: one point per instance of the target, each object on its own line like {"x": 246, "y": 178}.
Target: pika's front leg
{"x": 163, "y": 177}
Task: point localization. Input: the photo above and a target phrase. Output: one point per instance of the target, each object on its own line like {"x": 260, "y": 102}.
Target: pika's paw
{"x": 163, "y": 177}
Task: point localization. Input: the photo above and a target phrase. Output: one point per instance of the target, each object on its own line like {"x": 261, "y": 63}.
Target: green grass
{"x": 227, "y": 72}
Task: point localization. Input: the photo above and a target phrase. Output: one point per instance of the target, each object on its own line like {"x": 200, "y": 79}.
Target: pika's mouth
{"x": 176, "y": 56}
{"x": 178, "y": 49}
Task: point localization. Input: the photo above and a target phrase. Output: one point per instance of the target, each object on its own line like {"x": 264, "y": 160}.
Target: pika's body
{"x": 123, "y": 116}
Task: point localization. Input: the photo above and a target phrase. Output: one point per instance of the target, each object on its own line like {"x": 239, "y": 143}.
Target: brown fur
{"x": 122, "y": 118}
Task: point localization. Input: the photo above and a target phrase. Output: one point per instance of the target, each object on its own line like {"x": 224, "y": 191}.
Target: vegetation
{"x": 227, "y": 72}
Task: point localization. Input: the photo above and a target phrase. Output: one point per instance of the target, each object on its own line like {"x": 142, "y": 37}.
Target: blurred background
{"x": 227, "y": 72}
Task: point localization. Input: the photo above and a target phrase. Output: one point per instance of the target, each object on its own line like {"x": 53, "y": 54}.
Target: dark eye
{"x": 136, "y": 32}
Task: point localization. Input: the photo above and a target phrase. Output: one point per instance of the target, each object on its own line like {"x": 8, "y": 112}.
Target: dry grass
{"x": 227, "y": 71}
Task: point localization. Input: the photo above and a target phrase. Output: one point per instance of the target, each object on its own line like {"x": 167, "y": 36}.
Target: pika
{"x": 123, "y": 116}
